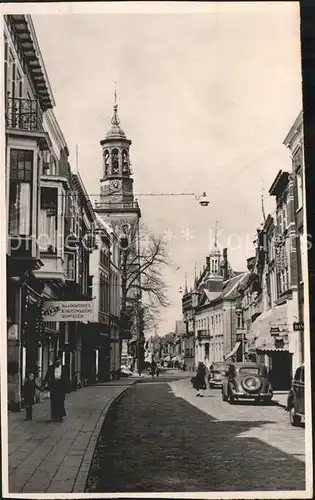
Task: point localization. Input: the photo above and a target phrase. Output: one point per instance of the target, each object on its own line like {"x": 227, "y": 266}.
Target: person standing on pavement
{"x": 55, "y": 379}
{"x": 153, "y": 368}
{"x": 199, "y": 380}
{"x": 28, "y": 392}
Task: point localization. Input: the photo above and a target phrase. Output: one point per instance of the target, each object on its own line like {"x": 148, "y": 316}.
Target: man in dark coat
{"x": 55, "y": 379}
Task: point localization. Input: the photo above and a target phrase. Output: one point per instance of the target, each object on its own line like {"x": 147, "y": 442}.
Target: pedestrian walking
{"x": 55, "y": 379}
{"x": 199, "y": 380}
{"x": 153, "y": 368}
{"x": 28, "y": 392}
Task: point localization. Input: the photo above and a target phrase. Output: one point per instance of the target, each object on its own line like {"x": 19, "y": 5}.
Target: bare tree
{"x": 143, "y": 261}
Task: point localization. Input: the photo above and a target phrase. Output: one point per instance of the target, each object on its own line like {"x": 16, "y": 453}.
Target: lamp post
{"x": 194, "y": 304}
{"x": 203, "y": 201}
{"x": 202, "y": 198}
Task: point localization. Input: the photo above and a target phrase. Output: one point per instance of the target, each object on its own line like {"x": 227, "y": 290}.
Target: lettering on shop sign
{"x": 63, "y": 311}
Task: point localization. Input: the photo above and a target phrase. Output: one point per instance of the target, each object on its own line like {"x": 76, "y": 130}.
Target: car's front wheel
{"x": 295, "y": 419}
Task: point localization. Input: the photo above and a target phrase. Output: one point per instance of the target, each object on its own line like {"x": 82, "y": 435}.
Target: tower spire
{"x": 262, "y": 203}
{"x": 216, "y": 234}
{"x": 115, "y": 119}
{"x": 186, "y": 288}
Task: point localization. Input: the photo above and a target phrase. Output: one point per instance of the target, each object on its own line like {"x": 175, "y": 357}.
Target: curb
{"x": 82, "y": 476}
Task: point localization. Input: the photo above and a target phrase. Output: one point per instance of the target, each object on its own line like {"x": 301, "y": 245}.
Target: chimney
{"x": 208, "y": 263}
{"x": 225, "y": 264}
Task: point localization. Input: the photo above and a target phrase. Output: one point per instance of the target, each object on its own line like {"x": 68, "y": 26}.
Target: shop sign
{"x": 13, "y": 333}
{"x": 298, "y": 327}
{"x": 63, "y": 311}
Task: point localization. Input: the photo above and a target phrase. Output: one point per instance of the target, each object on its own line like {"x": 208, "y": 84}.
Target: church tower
{"x": 117, "y": 205}
{"x": 118, "y": 208}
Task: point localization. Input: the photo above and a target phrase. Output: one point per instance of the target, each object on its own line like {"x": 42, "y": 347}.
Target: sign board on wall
{"x": 63, "y": 311}
{"x": 13, "y": 332}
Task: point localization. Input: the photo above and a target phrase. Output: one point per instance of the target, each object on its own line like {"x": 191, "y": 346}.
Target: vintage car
{"x": 217, "y": 374}
{"x": 296, "y": 398}
{"x": 247, "y": 381}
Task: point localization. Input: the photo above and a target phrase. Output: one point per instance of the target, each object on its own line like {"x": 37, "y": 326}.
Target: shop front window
{"x": 20, "y": 196}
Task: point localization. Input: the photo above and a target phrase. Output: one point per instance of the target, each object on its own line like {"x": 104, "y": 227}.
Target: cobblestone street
{"x": 160, "y": 437}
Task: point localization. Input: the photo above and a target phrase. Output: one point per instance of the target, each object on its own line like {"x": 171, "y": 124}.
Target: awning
{"x": 259, "y": 335}
{"x": 234, "y": 350}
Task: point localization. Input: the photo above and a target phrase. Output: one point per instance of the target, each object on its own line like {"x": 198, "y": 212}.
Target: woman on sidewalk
{"x": 55, "y": 379}
{"x": 199, "y": 380}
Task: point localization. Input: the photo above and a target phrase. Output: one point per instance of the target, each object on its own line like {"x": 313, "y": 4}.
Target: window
{"x": 115, "y": 162}
{"x": 106, "y": 162}
{"x": 125, "y": 167}
{"x": 301, "y": 263}
{"x": 240, "y": 321}
{"x": 283, "y": 280}
{"x": 5, "y": 66}
{"x": 284, "y": 217}
{"x": 48, "y": 220}
{"x": 70, "y": 266}
{"x": 299, "y": 187}
{"x": 20, "y": 197}
{"x": 19, "y": 84}
{"x": 280, "y": 221}
{"x": 297, "y": 375}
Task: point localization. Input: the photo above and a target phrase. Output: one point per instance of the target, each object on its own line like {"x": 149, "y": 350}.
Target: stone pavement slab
{"x": 53, "y": 457}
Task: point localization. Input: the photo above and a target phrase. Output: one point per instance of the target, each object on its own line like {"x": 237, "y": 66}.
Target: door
{"x": 281, "y": 370}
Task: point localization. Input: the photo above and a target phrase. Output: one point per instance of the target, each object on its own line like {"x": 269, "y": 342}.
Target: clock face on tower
{"x": 115, "y": 185}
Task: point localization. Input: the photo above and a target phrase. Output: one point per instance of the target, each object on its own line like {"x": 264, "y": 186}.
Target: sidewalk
{"x": 51, "y": 457}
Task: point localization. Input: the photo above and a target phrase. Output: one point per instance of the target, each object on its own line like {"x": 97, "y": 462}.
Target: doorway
{"x": 281, "y": 370}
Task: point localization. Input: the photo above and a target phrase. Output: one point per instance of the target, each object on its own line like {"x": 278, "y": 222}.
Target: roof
{"x": 230, "y": 286}
{"x": 28, "y": 42}
{"x": 84, "y": 196}
{"x": 279, "y": 183}
{"x": 104, "y": 224}
{"x": 116, "y": 132}
{"x": 294, "y": 129}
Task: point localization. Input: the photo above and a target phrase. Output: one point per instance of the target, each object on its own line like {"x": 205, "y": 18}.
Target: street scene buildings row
{"x": 62, "y": 248}
{"x": 257, "y": 314}
{"x": 59, "y": 247}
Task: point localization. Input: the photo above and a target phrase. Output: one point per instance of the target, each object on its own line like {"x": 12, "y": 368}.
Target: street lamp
{"x": 203, "y": 200}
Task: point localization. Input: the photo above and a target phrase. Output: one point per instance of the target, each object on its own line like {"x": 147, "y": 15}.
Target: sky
{"x": 207, "y": 100}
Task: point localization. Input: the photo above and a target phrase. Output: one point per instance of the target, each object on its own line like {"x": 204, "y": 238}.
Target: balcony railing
{"x": 203, "y": 334}
{"x": 107, "y": 205}
{"x": 24, "y": 114}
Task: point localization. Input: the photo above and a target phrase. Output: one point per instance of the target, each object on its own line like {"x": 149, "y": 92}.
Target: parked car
{"x": 217, "y": 374}
{"x": 296, "y": 398}
{"x": 247, "y": 381}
